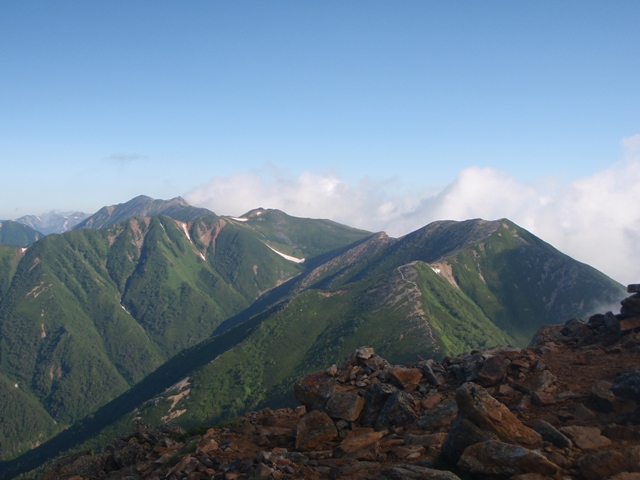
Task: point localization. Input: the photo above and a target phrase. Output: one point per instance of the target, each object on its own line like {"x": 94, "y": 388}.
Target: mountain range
{"x": 53, "y": 222}
{"x": 161, "y": 311}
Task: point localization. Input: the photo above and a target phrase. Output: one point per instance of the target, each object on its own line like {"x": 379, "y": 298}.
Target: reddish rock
{"x": 314, "y": 429}
{"x": 493, "y": 371}
{"x": 586, "y": 438}
{"x": 542, "y": 399}
{"x": 432, "y": 401}
{"x": 404, "y": 378}
{"x": 629, "y": 324}
{"x": 601, "y": 465}
{"x": 476, "y": 405}
{"x": 425, "y": 440}
{"x": 497, "y": 458}
{"x": 361, "y": 444}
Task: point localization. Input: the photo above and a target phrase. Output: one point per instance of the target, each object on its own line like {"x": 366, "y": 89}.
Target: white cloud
{"x": 594, "y": 219}
{"x": 631, "y": 145}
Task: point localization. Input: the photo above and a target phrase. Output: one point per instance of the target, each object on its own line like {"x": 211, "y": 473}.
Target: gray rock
{"x": 586, "y": 438}
{"x": 345, "y": 405}
{"x": 462, "y": 434}
{"x": 432, "y": 377}
{"x": 602, "y": 398}
{"x": 440, "y": 416}
{"x": 397, "y": 411}
{"x": 375, "y": 397}
{"x": 551, "y": 434}
{"x": 627, "y": 385}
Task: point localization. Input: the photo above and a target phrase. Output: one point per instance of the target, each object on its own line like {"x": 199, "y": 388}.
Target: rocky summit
{"x": 567, "y": 406}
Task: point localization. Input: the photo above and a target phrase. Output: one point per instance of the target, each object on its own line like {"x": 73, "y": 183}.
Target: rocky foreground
{"x": 565, "y": 407}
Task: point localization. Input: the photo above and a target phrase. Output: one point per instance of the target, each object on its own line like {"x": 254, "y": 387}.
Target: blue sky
{"x": 319, "y": 106}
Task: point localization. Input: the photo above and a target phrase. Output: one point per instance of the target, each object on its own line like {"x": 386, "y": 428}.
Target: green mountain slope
{"x": 446, "y": 288}
{"x": 14, "y": 233}
{"x": 87, "y": 314}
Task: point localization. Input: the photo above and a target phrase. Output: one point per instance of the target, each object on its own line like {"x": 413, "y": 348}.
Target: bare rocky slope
{"x": 564, "y": 407}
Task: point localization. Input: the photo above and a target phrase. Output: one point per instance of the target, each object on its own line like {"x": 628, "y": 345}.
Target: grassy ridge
{"x": 89, "y": 313}
{"x": 14, "y": 233}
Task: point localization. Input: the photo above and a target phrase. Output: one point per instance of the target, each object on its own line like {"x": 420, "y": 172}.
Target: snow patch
{"x": 202, "y": 257}
{"x": 23, "y": 249}
{"x": 186, "y": 232}
{"x": 288, "y": 257}
{"x": 437, "y": 270}
{"x": 237, "y": 219}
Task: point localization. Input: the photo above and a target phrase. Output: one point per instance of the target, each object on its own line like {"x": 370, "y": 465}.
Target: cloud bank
{"x": 594, "y": 219}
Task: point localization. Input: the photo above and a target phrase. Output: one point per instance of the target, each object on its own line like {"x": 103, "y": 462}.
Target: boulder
{"x": 397, "y": 411}
{"x": 480, "y": 408}
{"x": 627, "y": 385}
{"x": 430, "y": 375}
{"x": 314, "y": 390}
{"x": 586, "y": 438}
{"x": 535, "y": 382}
{"x": 360, "y": 444}
{"x": 632, "y": 303}
{"x": 497, "y": 458}
{"x": 601, "y": 465}
{"x": 440, "y": 416}
{"x": 461, "y": 435}
{"x": 376, "y": 395}
{"x": 551, "y": 434}
{"x": 493, "y": 371}
{"x": 345, "y": 405}
{"x": 546, "y": 334}
{"x": 404, "y": 378}
{"x": 602, "y": 398}
{"x": 314, "y": 429}
{"x": 576, "y": 329}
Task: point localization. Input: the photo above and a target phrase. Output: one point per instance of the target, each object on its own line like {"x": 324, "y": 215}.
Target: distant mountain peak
{"x": 143, "y": 206}
{"x": 54, "y": 221}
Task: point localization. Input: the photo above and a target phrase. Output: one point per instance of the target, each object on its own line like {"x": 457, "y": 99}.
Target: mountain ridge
{"x": 180, "y": 289}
